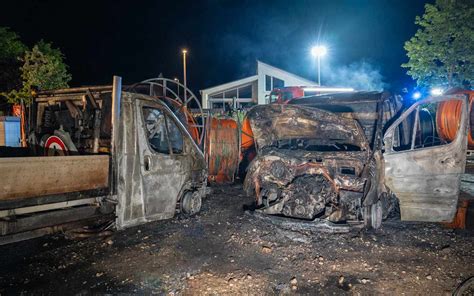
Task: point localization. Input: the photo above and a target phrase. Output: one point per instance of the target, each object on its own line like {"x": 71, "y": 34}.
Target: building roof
{"x": 250, "y": 79}
{"x": 306, "y": 81}
{"x": 231, "y": 84}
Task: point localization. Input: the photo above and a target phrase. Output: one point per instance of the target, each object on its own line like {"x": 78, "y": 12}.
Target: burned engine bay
{"x": 310, "y": 163}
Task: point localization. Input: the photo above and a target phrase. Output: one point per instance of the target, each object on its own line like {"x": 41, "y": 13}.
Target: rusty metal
{"x": 291, "y": 178}
{"x": 372, "y": 110}
{"x": 293, "y": 174}
{"x": 82, "y": 89}
{"x": 222, "y": 149}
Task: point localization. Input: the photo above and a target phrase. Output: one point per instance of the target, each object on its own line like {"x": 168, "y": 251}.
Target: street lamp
{"x": 318, "y": 52}
{"x": 184, "y": 51}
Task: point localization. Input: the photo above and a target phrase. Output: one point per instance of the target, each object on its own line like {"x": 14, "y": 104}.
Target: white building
{"x": 253, "y": 89}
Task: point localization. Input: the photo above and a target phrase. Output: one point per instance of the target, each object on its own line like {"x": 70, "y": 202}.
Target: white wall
{"x": 289, "y": 78}
{"x": 259, "y": 92}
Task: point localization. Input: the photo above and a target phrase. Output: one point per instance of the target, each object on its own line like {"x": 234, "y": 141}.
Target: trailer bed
{"x": 30, "y": 177}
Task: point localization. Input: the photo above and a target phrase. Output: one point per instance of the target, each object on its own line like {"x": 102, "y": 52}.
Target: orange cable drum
{"x": 222, "y": 141}
{"x": 448, "y": 118}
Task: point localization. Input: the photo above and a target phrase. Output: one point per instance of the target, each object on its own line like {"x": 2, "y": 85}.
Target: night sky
{"x": 141, "y": 39}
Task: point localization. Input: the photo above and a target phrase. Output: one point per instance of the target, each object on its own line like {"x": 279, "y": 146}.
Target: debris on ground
{"x": 223, "y": 251}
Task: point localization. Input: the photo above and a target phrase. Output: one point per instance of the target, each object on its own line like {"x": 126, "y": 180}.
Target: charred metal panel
{"x": 150, "y": 183}
{"x": 310, "y": 163}
{"x": 427, "y": 180}
{"x": 271, "y": 123}
{"x": 368, "y": 108}
{"x": 28, "y": 177}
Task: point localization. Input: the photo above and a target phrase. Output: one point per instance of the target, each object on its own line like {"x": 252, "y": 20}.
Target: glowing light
{"x": 436, "y": 91}
{"x": 329, "y": 89}
{"x": 416, "y": 95}
{"x": 184, "y": 51}
{"x": 319, "y": 51}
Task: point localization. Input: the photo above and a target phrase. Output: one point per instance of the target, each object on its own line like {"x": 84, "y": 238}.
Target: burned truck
{"x": 99, "y": 155}
{"x": 328, "y": 157}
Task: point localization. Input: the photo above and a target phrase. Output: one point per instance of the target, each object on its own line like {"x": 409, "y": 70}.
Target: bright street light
{"x": 318, "y": 52}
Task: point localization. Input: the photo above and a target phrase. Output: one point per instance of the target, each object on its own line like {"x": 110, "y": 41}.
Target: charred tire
{"x": 465, "y": 288}
{"x": 373, "y": 215}
{"x": 390, "y": 207}
{"x": 191, "y": 203}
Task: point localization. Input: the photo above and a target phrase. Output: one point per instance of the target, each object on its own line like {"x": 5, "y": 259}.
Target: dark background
{"x": 141, "y": 39}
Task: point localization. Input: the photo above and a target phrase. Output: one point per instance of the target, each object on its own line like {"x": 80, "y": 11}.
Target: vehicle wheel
{"x": 191, "y": 203}
{"x": 373, "y": 215}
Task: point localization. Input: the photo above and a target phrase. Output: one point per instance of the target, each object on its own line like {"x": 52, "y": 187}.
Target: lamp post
{"x": 318, "y": 52}
{"x": 184, "y": 51}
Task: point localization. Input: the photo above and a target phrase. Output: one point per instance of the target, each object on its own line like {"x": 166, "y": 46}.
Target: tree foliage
{"x": 11, "y": 50}
{"x": 441, "y": 53}
{"x": 43, "y": 68}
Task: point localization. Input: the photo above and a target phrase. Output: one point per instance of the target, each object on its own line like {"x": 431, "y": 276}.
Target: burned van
{"x": 339, "y": 165}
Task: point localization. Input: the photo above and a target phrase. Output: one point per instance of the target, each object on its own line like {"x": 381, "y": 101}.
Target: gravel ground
{"x": 224, "y": 251}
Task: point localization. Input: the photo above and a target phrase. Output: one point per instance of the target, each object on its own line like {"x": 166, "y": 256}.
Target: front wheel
{"x": 191, "y": 203}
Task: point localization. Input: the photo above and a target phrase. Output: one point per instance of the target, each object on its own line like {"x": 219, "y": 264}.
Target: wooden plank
{"x": 27, "y": 177}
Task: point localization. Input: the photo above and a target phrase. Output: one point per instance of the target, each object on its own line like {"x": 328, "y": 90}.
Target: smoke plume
{"x": 359, "y": 75}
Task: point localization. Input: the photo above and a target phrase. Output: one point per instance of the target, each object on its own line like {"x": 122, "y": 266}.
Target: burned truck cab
{"x": 104, "y": 154}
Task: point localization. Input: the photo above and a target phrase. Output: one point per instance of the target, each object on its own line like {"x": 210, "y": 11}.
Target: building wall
{"x": 288, "y": 78}
{"x": 259, "y": 91}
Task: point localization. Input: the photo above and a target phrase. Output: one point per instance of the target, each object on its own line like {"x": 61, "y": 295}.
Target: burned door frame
{"x": 426, "y": 180}
{"x": 134, "y": 190}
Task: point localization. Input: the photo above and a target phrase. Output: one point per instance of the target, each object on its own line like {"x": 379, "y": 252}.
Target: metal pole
{"x": 319, "y": 70}
{"x": 184, "y": 73}
{"x": 116, "y": 98}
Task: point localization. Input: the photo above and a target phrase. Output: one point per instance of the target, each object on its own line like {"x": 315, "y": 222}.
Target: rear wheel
{"x": 373, "y": 215}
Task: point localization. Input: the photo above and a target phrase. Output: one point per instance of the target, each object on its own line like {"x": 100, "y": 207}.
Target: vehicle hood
{"x": 275, "y": 122}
